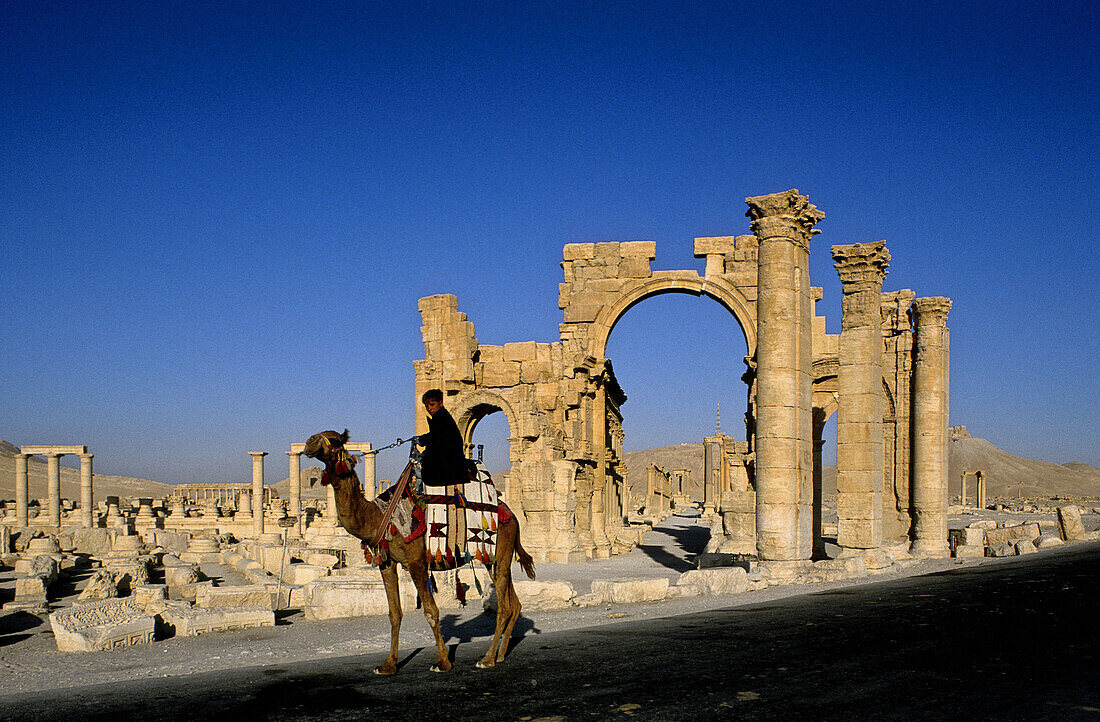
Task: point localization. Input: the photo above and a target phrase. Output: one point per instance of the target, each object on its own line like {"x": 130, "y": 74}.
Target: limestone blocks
{"x": 106, "y": 624}
{"x": 1069, "y": 523}
{"x": 192, "y": 622}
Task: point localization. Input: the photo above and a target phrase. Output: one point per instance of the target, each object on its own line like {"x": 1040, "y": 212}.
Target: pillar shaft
{"x": 257, "y": 492}
{"x": 859, "y": 448}
{"x": 930, "y": 426}
{"x": 783, "y": 223}
{"x": 22, "y": 517}
{"x": 370, "y": 473}
{"x": 87, "y": 514}
{"x": 295, "y": 482}
{"x": 53, "y": 488}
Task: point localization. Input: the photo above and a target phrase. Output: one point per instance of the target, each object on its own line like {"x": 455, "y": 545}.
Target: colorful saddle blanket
{"x": 462, "y": 523}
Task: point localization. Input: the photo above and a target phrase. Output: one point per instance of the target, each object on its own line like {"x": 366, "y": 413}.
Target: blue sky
{"x": 217, "y": 218}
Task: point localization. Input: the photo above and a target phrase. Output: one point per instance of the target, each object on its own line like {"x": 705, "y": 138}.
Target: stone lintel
{"x": 46, "y": 449}
{"x": 862, "y": 266}
{"x": 712, "y": 245}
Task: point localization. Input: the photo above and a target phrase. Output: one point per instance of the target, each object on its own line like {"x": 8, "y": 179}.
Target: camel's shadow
{"x": 481, "y": 628}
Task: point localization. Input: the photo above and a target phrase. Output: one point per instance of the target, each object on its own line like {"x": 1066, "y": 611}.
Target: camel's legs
{"x": 393, "y": 599}
{"x": 507, "y": 607}
{"x": 419, "y": 572}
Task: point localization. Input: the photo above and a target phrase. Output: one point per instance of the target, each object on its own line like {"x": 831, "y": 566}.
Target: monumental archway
{"x": 562, "y": 399}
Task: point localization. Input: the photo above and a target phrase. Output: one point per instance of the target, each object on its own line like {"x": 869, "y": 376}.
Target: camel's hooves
{"x": 384, "y": 671}
{"x": 437, "y": 668}
{"x": 482, "y": 664}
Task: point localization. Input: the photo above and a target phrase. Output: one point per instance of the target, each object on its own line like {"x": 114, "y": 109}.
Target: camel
{"x": 361, "y": 518}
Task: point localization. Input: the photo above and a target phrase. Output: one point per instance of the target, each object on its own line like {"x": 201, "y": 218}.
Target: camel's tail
{"x": 525, "y": 560}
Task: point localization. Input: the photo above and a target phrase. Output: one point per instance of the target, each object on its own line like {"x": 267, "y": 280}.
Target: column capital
{"x": 257, "y": 454}
{"x": 786, "y": 215}
{"x": 862, "y": 266}
{"x": 931, "y": 311}
{"x": 87, "y": 456}
{"x": 293, "y": 453}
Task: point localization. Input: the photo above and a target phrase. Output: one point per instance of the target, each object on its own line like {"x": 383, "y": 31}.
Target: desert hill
{"x": 1005, "y": 474}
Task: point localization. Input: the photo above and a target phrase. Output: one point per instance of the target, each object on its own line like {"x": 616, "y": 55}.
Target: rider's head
{"x": 432, "y": 400}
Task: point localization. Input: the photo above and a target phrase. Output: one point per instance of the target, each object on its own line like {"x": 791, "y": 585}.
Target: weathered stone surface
{"x": 1047, "y": 541}
{"x": 536, "y": 596}
{"x": 1025, "y": 547}
{"x": 970, "y": 551}
{"x": 984, "y": 524}
{"x": 716, "y": 581}
{"x": 305, "y": 573}
{"x": 105, "y": 624}
{"x": 333, "y": 598}
{"x": 1069, "y": 523}
{"x": 973, "y": 535}
{"x": 193, "y": 622}
{"x": 1011, "y": 534}
{"x": 145, "y": 594}
{"x": 181, "y": 575}
{"x": 1002, "y": 550}
{"x": 321, "y": 559}
{"x": 210, "y": 597}
{"x": 101, "y": 585}
{"x": 630, "y": 591}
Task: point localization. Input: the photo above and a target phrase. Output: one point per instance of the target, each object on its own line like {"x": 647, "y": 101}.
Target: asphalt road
{"x": 1010, "y": 640}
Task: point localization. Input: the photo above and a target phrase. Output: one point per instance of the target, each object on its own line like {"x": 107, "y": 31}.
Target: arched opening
{"x": 680, "y": 361}
{"x": 486, "y": 420}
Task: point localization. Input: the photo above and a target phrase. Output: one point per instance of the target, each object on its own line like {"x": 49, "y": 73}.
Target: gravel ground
{"x": 29, "y": 659}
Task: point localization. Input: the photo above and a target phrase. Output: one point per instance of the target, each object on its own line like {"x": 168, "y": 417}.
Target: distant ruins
{"x": 885, "y": 376}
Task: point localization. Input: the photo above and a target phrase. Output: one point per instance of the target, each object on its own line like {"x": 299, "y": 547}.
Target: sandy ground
{"x": 29, "y": 659}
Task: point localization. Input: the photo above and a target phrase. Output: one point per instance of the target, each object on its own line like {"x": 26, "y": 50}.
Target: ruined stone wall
{"x": 562, "y": 401}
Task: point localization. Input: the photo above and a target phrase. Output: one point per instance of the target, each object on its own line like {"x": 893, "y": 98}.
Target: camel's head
{"x": 328, "y": 447}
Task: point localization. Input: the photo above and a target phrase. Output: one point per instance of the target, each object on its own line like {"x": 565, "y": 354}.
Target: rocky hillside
{"x": 1005, "y": 474}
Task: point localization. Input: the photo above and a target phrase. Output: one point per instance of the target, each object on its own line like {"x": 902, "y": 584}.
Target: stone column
{"x": 599, "y": 447}
{"x": 295, "y": 482}
{"x": 257, "y": 492}
{"x": 53, "y": 487}
{"x": 783, "y": 223}
{"x": 87, "y": 513}
{"x": 930, "y": 426}
{"x": 370, "y": 473}
{"x": 979, "y": 491}
{"x": 22, "y": 516}
{"x": 859, "y": 445}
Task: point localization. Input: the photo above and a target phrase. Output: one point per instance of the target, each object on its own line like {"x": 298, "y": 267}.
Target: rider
{"x": 443, "y": 461}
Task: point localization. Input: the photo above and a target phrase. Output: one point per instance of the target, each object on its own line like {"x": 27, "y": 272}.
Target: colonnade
{"x": 53, "y": 456}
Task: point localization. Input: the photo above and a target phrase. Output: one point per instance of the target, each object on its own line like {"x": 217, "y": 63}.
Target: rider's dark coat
{"x": 443, "y": 461}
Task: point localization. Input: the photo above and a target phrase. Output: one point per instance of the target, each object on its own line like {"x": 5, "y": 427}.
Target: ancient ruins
{"x": 884, "y": 376}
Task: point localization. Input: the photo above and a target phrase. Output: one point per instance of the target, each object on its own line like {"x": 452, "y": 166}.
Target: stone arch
{"x": 721, "y": 291}
{"x": 469, "y": 409}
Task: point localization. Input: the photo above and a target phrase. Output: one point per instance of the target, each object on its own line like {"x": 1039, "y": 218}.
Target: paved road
{"x": 1016, "y": 639}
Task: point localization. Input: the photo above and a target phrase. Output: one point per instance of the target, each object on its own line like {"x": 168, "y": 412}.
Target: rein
{"x": 391, "y": 506}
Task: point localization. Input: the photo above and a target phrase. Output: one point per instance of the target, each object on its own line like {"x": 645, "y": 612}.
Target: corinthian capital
{"x": 785, "y": 215}
{"x": 861, "y": 266}
{"x": 931, "y": 311}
